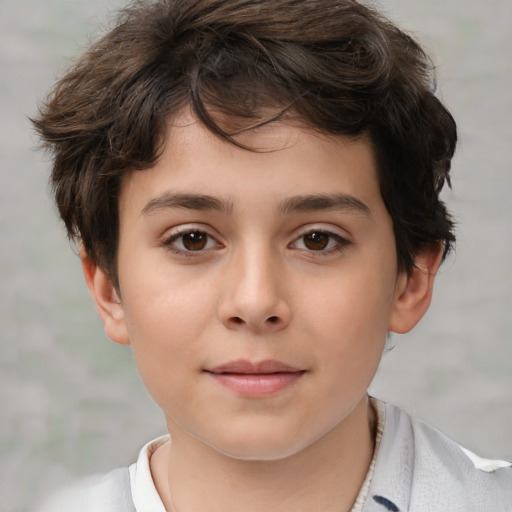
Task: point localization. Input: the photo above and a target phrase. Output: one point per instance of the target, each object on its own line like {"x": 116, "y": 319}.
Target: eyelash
{"x": 340, "y": 242}
{"x": 168, "y": 243}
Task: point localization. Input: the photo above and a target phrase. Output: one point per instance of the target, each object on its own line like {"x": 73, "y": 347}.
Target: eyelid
{"x": 343, "y": 239}
{"x": 187, "y": 228}
{"x": 328, "y": 229}
{"x": 175, "y": 233}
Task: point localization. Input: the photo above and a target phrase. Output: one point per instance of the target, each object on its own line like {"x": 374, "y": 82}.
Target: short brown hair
{"x": 336, "y": 64}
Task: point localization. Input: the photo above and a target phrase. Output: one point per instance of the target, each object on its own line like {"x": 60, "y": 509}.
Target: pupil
{"x": 316, "y": 241}
{"x": 194, "y": 241}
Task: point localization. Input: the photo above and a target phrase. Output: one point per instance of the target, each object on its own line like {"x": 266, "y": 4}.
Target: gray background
{"x": 71, "y": 401}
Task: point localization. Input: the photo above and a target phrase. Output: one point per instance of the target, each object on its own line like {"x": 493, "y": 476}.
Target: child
{"x": 255, "y": 189}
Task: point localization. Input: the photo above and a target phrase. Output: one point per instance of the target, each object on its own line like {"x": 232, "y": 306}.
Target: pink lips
{"x": 256, "y": 379}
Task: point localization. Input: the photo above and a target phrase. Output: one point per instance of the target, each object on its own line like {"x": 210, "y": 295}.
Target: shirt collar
{"x": 392, "y": 479}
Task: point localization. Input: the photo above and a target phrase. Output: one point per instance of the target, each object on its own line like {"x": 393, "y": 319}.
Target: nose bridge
{"x": 254, "y": 295}
{"x": 257, "y": 279}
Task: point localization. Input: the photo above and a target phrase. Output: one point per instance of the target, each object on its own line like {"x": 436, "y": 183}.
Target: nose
{"x": 254, "y": 294}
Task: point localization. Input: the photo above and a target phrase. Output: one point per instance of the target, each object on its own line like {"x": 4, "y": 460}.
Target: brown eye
{"x": 191, "y": 242}
{"x": 323, "y": 243}
{"x": 316, "y": 241}
{"x": 194, "y": 241}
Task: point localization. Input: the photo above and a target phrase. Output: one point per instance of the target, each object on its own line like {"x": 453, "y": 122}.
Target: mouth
{"x": 256, "y": 379}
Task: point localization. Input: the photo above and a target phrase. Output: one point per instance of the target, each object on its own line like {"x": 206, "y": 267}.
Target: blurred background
{"x": 71, "y": 401}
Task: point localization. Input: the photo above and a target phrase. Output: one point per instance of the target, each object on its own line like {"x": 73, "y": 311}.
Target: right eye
{"x": 193, "y": 240}
{"x": 321, "y": 242}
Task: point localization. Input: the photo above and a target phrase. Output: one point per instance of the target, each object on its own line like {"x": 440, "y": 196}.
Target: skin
{"x": 313, "y": 285}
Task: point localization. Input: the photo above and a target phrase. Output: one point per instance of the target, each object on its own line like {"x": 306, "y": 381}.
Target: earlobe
{"x": 414, "y": 291}
{"x": 106, "y": 299}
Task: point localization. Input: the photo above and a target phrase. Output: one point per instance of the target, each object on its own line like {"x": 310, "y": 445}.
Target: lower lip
{"x": 258, "y": 384}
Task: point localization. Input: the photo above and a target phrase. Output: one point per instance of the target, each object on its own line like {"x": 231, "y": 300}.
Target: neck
{"x": 324, "y": 477}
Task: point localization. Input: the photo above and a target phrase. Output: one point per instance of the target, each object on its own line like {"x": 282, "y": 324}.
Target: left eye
{"x": 191, "y": 241}
{"x": 319, "y": 241}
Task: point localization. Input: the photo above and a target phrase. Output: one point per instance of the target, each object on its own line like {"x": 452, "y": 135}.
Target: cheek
{"x": 351, "y": 306}
{"x": 167, "y": 305}
{"x": 349, "y": 322}
{"x": 165, "y": 331}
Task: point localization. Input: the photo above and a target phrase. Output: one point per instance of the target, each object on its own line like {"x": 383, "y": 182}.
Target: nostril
{"x": 269, "y": 322}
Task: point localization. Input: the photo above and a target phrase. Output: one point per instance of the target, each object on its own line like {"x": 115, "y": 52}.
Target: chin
{"x": 260, "y": 447}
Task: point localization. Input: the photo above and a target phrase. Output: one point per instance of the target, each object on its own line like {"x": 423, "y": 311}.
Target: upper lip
{"x": 248, "y": 367}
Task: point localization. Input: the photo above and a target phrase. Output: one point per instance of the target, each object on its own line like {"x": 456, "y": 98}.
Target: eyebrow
{"x": 188, "y": 202}
{"x": 304, "y": 203}
{"x": 337, "y": 202}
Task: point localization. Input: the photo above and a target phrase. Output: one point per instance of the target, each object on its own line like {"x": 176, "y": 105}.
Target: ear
{"x": 414, "y": 291}
{"x": 106, "y": 299}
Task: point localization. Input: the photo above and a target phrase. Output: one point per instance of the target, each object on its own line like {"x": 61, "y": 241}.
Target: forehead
{"x": 277, "y": 160}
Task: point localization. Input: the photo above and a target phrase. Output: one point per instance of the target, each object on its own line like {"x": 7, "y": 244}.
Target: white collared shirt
{"x": 415, "y": 468}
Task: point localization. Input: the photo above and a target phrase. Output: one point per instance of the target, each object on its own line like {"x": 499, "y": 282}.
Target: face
{"x": 256, "y": 288}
